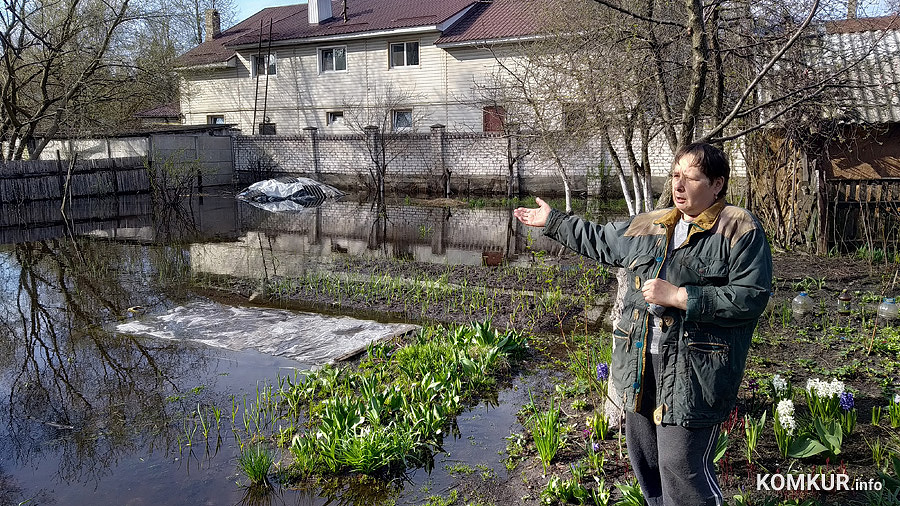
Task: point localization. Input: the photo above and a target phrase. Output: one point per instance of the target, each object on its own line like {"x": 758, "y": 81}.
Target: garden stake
{"x": 872, "y": 340}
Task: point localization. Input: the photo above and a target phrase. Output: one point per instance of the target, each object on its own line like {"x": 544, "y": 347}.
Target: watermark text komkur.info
{"x": 817, "y": 481}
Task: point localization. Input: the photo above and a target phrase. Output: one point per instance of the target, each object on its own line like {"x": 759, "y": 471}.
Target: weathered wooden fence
{"x": 783, "y": 190}
{"x": 864, "y": 212}
{"x": 24, "y": 181}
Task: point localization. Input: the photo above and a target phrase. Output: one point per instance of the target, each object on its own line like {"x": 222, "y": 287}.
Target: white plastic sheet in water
{"x": 309, "y": 338}
{"x": 294, "y": 194}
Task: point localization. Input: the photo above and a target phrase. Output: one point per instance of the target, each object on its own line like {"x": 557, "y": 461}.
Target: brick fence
{"x": 474, "y": 162}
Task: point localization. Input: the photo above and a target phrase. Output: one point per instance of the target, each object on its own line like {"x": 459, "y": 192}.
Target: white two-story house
{"x": 340, "y": 65}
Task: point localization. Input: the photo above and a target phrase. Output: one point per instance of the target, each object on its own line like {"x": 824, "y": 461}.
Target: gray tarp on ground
{"x": 309, "y": 338}
{"x": 288, "y": 194}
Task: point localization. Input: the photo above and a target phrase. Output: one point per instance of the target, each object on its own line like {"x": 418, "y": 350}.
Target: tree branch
{"x": 751, "y": 87}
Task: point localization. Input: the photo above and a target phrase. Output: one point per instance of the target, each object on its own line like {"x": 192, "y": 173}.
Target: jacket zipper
{"x": 645, "y": 349}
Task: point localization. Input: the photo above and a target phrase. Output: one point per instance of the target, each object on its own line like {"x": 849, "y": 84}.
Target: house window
{"x": 332, "y": 59}
{"x": 404, "y": 54}
{"x": 215, "y": 119}
{"x": 334, "y": 118}
{"x": 264, "y": 65}
{"x": 494, "y": 118}
{"x": 267, "y": 129}
{"x": 401, "y": 120}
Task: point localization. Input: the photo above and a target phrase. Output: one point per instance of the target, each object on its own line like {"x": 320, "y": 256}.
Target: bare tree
{"x": 185, "y": 20}
{"x": 682, "y": 70}
{"x": 538, "y": 101}
{"x": 387, "y": 120}
{"x": 52, "y": 53}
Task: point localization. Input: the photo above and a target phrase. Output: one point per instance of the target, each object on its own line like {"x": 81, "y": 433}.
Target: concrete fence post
{"x": 313, "y": 134}
{"x": 440, "y": 169}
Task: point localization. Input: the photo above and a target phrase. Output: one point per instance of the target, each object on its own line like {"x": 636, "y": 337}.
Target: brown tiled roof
{"x": 497, "y": 20}
{"x": 171, "y": 110}
{"x": 214, "y": 50}
{"x": 863, "y": 24}
{"x": 362, "y": 16}
{"x": 291, "y": 22}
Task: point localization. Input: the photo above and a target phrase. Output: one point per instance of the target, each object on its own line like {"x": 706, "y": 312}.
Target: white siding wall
{"x": 439, "y": 90}
{"x": 447, "y": 87}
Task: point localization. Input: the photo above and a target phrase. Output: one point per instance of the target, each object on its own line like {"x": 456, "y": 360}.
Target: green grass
{"x": 255, "y": 463}
{"x": 389, "y": 415}
{"x": 546, "y": 433}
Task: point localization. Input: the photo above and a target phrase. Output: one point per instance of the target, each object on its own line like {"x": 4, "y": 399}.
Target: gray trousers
{"x": 673, "y": 464}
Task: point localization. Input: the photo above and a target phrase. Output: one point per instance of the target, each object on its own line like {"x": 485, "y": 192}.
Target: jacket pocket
{"x": 623, "y": 330}
{"x": 712, "y": 386}
{"x": 704, "y": 271}
{"x": 645, "y": 266}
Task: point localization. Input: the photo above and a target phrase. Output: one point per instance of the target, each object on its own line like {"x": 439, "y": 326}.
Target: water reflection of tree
{"x": 175, "y": 220}
{"x": 379, "y": 227}
{"x": 11, "y": 494}
{"x": 92, "y": 395}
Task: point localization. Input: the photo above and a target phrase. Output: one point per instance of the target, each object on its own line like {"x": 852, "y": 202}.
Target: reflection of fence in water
{"x": 865, "y": 213}
{"x": 39, "y": 220}
{"x": 407, "y": 228}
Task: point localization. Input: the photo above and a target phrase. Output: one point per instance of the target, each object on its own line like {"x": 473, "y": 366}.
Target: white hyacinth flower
{"x": 835, "y": 388}
{"x": 897, "y": 399}
{"x": 785, "y": 412}
{"x": 813, "y": 385}
{"x": 779, "y": 384}
{"x": 823, "y": 389}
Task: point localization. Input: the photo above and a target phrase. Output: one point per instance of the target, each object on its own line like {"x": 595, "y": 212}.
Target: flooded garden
{"x": 415, "y": 352}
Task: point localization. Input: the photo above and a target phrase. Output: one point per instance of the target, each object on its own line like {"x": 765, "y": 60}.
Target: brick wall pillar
{"x": 440, "y": 170}
{"x": 313, "y": 134}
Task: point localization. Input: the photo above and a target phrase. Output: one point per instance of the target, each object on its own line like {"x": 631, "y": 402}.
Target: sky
{"x": 247, "y": 8}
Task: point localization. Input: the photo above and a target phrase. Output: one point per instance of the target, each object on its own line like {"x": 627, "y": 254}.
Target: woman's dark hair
{"x": 712, "y": 161}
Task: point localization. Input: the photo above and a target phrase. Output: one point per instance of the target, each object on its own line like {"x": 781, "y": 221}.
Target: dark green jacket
{"x": 726, "y": 266}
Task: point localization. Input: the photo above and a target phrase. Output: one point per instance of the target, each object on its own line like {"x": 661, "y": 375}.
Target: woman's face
{"x": 692, "y": 191}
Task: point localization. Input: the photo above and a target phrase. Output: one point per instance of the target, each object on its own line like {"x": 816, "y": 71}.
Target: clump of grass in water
{"x": 546, "y": 433}
{"x": 389, "y": 414}
{"x": 255, "y": 463}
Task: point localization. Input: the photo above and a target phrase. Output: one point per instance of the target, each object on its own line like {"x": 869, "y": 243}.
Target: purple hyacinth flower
{"x": 846, "y": 401}
{"x": 602, "y": 371}
{"x": 753, "y": 385}
{"x": 595, "y": 447}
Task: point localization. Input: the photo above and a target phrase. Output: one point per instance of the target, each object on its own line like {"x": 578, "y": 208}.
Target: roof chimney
{"x": 319, "y": 10}
{"x": 213, "y": 24}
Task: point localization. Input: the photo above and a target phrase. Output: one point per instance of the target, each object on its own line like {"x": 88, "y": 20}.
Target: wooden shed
{"x": 833, "y": 182}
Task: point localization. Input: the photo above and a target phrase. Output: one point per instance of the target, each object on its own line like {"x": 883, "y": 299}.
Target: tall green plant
{"x": 753, "y": 428}
{"x": 545, "y": 431}
{"x": 255, "y": 463}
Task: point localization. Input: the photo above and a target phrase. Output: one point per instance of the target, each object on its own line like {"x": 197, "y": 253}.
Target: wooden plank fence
{"x": 36, "y": 180}
{"x": 864, "y": 212}
{"x": 864, "y": 191}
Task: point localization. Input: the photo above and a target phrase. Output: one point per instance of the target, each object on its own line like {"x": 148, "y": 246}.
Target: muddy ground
{"x": 825, "y": 345}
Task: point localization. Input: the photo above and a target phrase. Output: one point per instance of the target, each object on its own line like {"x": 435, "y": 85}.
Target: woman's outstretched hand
{"x": 533, "y": 217}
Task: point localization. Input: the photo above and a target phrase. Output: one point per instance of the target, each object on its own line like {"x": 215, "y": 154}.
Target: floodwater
{"x": 105, "y": 353}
